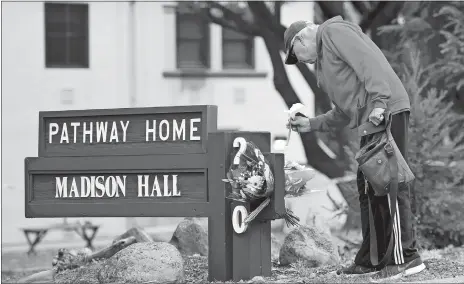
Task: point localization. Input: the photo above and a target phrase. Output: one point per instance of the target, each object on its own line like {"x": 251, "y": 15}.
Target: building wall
{"x": 28, "y": 87}
{"x": 245, "y": 102}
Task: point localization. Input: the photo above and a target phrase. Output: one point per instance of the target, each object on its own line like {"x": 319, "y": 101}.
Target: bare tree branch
{"x": 228, "y": 25}
{"x": 221, "y": 21}
{"x": 278, "y": 10}
{"x": 267, "y": 26}
{"x": 278, "y": 30}
{"x": 282, "y": 84}
{"x": 361, "y": 6}
{"x": 242, "y": 25}
{"x": 382, "y": 14}
{"x": 273, "y": 45}
{"x": 269, "y": 21}
{"x": 331, "y": 8}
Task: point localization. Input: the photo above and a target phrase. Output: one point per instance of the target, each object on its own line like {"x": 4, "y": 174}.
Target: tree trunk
{"x": 111, "y": 250}
{"x": 72, "y": 261}
{"x": 268, "y": 23}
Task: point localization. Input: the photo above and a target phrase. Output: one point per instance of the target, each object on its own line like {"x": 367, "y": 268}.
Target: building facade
{"x": 78, "y": 55}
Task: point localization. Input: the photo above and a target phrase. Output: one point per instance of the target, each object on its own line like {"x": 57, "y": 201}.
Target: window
{"x": 237, "y": 50}
{"x": 192, "y": 40}
{"x": 66, "y": 35}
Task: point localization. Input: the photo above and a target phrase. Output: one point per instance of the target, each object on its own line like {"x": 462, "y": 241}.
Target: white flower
{"x": 256, "y": 182}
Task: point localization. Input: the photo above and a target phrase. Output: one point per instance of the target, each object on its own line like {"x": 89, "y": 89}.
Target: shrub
{"x": 436, "y": 158}
{"x": 436, "y": 139}
{"x": 436, "y": 29}
{"x": 451, "y": 68}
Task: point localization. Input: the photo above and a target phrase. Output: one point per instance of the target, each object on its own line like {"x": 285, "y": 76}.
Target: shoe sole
{"x": 407, "y": 272}
{"x": 414, "y": 270}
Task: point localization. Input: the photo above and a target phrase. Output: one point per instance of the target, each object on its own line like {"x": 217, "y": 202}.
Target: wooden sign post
{"x": 151, "y": 162}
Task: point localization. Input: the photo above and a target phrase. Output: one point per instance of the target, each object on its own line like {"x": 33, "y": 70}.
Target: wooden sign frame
{"x": 207, "y": 114}
{"x": 199, "y": 169}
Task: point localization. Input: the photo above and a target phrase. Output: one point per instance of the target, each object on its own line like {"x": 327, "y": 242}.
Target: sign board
{"x": 103, "y": 186}
{"x": 151, "y": 162}
{"x": 140, "y": 131}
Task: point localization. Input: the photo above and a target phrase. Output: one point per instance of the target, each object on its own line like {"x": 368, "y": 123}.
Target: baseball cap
{"x": 289, "y": 34}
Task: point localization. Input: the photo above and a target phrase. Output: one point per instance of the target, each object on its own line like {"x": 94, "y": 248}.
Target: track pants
{"x": 404, "y": 249}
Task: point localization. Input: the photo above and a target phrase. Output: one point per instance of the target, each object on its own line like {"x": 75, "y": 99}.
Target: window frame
{"x": 66, "y": 36}
{"x": 250, "y": 52}
{"x": 205, "y": 43}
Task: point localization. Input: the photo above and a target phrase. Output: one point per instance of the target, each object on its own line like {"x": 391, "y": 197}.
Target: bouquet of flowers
{"x": 296, "y": 177}
{"x": 252, "y": 180}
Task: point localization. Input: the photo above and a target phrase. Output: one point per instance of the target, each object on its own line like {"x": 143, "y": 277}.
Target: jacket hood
{"x": 321, "y": 28}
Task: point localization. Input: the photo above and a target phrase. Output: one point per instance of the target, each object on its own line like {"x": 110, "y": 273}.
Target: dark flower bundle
{"x": 252, "y": 180}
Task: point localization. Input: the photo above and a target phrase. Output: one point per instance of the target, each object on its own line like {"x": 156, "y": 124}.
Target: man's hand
{"x": 299, "y": 124}
{"x": 376, "y": 116}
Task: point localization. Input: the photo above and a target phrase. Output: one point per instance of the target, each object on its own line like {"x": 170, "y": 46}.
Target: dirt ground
{"x": 441, "y": 264}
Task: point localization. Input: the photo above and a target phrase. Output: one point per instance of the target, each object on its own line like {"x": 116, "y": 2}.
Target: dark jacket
{"x": 355, "y": 74}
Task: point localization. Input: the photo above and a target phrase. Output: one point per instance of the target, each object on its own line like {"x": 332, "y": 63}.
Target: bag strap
{"x": 388, "y": 122}
{"x": 393, "y": 164}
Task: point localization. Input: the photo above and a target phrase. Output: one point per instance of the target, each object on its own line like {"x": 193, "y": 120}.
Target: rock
{"x": 147, "y": 262}
{"x": 139, "y": 234}
{"x": 257, "y": 279}
{"x": 315, "y": 219}
{"x": 88, "y": 274}
{"x": 276, "y": 244}
{"x": 190, "y": 237}
{"x": 202, "y": 221}
{"x": 310, "y": 245}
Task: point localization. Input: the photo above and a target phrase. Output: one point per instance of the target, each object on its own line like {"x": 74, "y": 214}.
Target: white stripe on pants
{"x": 396, "y": 233}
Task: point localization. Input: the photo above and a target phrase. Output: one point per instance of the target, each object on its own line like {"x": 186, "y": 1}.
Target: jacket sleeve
{"x": 332, "y": 120}
{"x": 349, "y": 46}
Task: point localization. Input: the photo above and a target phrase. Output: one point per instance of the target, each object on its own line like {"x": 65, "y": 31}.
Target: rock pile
{"x": 134, "y": 257}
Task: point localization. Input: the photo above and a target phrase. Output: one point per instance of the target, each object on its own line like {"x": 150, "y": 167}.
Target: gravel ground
{"x": 440, "y": 264}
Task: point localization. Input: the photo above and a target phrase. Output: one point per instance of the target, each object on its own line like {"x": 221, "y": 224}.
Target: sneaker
{"x": 355, "y": 269}
{"x": 391, "y": 272}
